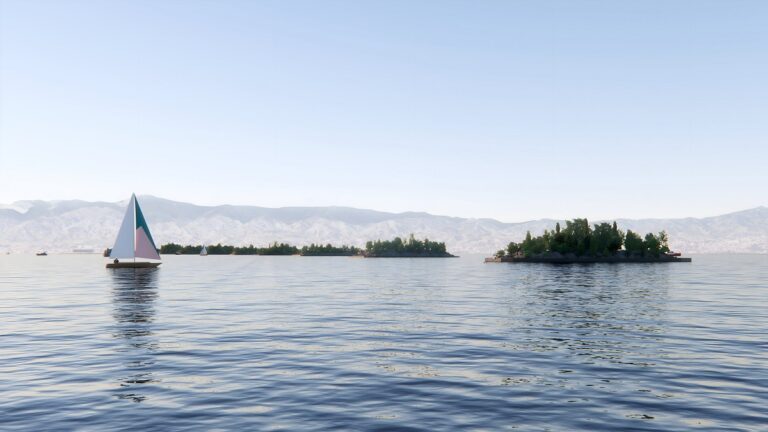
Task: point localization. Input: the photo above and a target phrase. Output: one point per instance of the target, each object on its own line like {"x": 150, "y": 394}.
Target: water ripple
{"x": 284, "y": 343}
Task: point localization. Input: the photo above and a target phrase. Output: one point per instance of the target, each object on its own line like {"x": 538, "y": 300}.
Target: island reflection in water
{"x": 134, "y": 292}
{"x": 596, "y": 312}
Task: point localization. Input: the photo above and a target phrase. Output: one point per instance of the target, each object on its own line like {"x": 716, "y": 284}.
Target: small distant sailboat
{"x": 204, "y": 251}
{"x": 134, "y": 247}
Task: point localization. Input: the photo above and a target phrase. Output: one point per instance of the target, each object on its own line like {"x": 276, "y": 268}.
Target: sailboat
{"x": 134, "y": 246}
{"x": 204, "y": 251}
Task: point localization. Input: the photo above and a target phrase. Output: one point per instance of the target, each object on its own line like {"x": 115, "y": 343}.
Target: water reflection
{"x": 606, "y": 313}
{"x": 134, "y": 292}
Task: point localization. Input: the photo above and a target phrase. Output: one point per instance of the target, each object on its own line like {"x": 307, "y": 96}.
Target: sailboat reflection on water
{"x": 134, "y": 293}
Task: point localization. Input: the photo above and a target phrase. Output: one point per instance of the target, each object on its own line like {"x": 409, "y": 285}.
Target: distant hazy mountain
{"x": 60, "y": 226}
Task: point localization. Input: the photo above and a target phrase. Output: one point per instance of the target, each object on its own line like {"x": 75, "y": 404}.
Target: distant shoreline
{"x": 410, "y": 247}
{"x": 325, "y": 255}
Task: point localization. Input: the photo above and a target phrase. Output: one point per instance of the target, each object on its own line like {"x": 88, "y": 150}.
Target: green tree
{"x": 600, "y": 241}
{"x": 527, "y": 245}
{"x": 651, "y": 245}
{"x": 170, "y": 248}
{"x": 633, "y": 244}
{"x": 513, "y": 248}
{"x": 617, "y": 239}
{"x": 664, "y": 242}
{"x": 577, "y": 235}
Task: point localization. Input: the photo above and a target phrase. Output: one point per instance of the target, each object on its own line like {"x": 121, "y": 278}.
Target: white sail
{"x": 125, "y": 244}
{"x": 204, "y": 252}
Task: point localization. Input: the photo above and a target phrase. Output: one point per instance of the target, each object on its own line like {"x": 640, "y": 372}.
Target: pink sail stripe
{"x": 144, "y": 248}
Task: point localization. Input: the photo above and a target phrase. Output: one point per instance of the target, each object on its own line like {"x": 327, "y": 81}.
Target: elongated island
{"x": 580, "y": 243}
{"x": 410, "y": 247}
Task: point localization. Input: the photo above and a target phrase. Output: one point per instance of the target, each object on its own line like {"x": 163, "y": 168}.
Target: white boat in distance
{"x": 204, "y": 252}
{"x": 134, "y": 247}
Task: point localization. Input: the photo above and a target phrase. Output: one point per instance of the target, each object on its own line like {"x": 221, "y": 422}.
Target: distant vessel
{"x": 83, "y": 250}
{"x": 134, "y": 246}
{"x": 42, "y": 254}
{"x": 204, "y": 252}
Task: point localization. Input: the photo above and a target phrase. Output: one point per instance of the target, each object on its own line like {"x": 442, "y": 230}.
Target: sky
{"x": 513, "y": 110}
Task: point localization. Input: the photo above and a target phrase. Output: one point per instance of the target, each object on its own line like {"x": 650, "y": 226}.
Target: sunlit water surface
{"x": 291, "y": 343}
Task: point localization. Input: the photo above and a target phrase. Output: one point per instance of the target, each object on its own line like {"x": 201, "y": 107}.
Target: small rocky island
{"x": 580, "y": 243}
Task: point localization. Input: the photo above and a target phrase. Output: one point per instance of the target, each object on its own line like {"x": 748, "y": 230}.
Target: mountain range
{"x": 61, "y": 226}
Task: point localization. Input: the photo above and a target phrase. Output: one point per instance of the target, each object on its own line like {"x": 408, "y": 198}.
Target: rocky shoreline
{"x": 573, "y": 259}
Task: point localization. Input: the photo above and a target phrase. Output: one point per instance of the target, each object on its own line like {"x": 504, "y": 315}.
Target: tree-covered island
{"x": 579, "y": 242}
{"x": 396, "y": 248}
{"x": 409, "y": 248}
{"x": 219, "y": 249}
{"x": 329, "y": 250}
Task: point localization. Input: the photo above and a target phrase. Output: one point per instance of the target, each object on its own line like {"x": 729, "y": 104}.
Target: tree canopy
{"x": 219, "y": 249}
{"x": 411, "y": 247}
{"x": 580, "y": 239}
{"x": 329, "y": 250}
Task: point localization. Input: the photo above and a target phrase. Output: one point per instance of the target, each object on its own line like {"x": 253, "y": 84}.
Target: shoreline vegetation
{"x": 409, "y": 248}
{"x": 578, "y": 242}
{"x": 395, "y": 248}
{"x": 219, "y": 249}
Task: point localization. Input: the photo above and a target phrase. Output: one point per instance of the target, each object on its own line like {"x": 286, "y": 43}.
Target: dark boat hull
{"x": 131, "y": 264}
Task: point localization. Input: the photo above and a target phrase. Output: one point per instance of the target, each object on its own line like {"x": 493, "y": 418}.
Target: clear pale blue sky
{"x": 511, "y": 110}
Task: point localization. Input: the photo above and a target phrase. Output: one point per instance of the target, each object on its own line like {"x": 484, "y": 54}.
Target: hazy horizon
{"x": 9, "y": 205}
{"x": 65, "y": 225}
{"x": 510, "y": 111}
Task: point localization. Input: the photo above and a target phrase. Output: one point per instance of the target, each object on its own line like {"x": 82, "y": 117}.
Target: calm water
{"x": 289, "y": 343}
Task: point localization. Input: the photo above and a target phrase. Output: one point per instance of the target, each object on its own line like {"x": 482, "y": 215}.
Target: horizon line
{"x": 6, "y": 205}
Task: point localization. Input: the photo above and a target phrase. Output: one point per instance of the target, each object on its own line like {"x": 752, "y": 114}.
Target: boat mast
{"x": 133, "y": 200}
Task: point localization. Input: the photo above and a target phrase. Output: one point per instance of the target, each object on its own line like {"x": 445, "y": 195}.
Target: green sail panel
{"x": 142, "y": 223}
